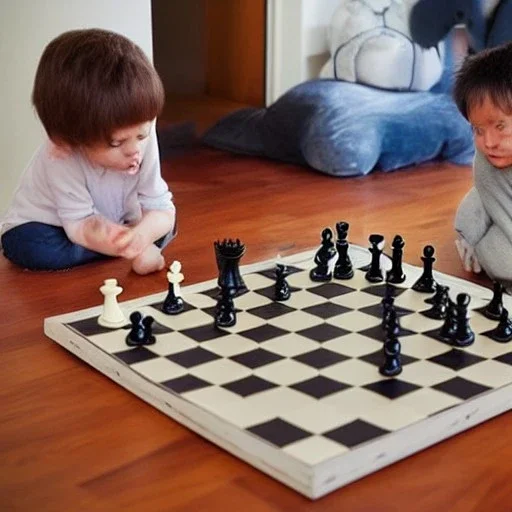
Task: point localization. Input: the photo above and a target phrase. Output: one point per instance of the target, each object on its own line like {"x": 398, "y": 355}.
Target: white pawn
{"x": 174, "y": 276}
{"x": 112, "y": 315}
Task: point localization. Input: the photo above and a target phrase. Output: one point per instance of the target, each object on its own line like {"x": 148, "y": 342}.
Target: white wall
{"x": 297, "y": 45}
{"x": 26, "y": 26}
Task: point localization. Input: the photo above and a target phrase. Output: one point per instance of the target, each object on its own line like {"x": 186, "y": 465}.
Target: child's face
{"x": 124, "y": 151}
{"x": 492, "y": 131}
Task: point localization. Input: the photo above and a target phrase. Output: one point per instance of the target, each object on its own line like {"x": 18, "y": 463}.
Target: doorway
{"x": 210, "y": 55}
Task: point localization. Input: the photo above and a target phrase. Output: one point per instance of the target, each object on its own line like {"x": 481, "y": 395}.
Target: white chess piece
{"x": 174, "y": 276}
{"x": 112, "y": 316}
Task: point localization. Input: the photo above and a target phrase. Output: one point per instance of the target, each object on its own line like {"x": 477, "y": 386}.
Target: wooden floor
{"x": 72, "y": 440}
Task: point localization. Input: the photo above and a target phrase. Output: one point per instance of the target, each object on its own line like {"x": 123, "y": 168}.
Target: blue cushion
{"x": 347, "y": 129}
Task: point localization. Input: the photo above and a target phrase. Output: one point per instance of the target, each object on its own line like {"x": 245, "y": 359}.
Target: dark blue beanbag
{"x": 347, "y": 129}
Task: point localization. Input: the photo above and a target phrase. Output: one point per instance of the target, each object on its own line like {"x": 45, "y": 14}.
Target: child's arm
{"x": 153, "y": 225}
{"x": 97, "y": 234}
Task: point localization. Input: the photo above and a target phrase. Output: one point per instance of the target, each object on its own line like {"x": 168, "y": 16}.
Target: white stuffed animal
{"x": 371, "y": 44}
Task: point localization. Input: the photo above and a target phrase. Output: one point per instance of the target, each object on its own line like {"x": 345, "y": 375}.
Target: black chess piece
{"x": 464, "y": 335}
{"x": 447, "y": 331}
{"x": 147, "y": 322}
{"x": 282, "y": 288}
{"x": 343, "y": 268}
{"x": 392, "y": 363}
{"x": 439, "y": 308}
{"x": 426, "y": 283}
{"x": 374, "y": 273}
{"x": 225, "y": 313}
{"x": 140, "y": 330}
{"x": 323, "y": 257}
{"x": 172, "y": 304}
{"x": 228, "y": 254}
{"x": 494, "y": 309}
{"x": 396, "y": 274}
{"x": 438, "y": 295}
{"x": 503, "y": 331}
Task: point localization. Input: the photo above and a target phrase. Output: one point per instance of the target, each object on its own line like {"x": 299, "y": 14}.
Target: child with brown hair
{"x": 483, "y": 93}
{"x": 94, "y": 188}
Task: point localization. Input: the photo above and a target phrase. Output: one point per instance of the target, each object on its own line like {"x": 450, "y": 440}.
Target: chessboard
{"x": 294, "y": 388}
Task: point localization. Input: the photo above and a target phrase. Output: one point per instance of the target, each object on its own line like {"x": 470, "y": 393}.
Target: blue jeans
{"x": 38, "y": 246}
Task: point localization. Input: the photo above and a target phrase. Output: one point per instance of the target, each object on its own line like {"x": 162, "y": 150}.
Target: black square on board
{"x": 320, "y": 386}
{"x": 326, "y": 310}
{"x": 185, "y": 383}
{"x": 204, "y": 332}
{"x": 456, "y": 359}
{"x": 263, "y": 333}
{"x": 380, "y": 290}
{"x": 249, "y": 385}
{"x": 355, "y": 433}
{"x": 90, "y": 326}
{"x": 320, "y": 358}
{"x": 271, "y": 310}
{"x": 271, "y": 272}
{"x": 331, "y": 290}
{"x": 256, "y": 358}
{"x": 377, "y": 332}
{"x": 135, "y": 355}
{"x": 377, "y": 310}
{"x": 505, "y": 358}
{"x": 461, "y": 388}
{"x": 323, "y": 332}
{"x": 377, "y": 358}
{"x": 279, "y": 432}
{"x": 192, "y": 357}
{"x": 391, "y": 388}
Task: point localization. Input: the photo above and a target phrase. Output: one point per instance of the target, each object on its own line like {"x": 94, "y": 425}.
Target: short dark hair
{"x": 92, "y": 82}
{"x": 486, "y": 73}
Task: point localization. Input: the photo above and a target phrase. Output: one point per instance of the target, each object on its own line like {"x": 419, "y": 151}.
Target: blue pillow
{"x": 347, "y": 129}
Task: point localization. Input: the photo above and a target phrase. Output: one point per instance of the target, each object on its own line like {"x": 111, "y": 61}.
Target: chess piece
{"x": 147, "y": 322}
{"x": 440, "y": 292}
{"x": 343, "y": 268}
{"x": 392, "y": 364}
{"x": 439, "y": 308}
{"x": 173, "y": 303}
{"x": 225, "y": 313}
{"x": 447, "y": 331}
{"x": 324, "y": 258}
{"x": 112, "y": 316}
{"x": 426, "y": 282}
{"x": 503, "y": 332}
{"x": 140, "y": 330}
{"x": 464, "y": 336}
{"x": 228, "y": 254}
{"x": 494, "y": 309}
{"x": 374, "y": 273}
{"x": 282, "y": 288}
{"x": 396, "y": 274}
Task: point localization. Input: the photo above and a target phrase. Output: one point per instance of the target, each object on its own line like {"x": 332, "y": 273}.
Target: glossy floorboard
{"x": 70, "y": 439}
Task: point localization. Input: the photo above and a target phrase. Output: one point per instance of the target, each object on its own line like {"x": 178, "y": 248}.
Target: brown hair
{"x": 486, "y": 74}
{"x": 92, "y": 82}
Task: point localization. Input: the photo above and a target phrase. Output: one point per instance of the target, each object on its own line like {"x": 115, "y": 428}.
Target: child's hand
{"x": 130, "y": 243}
{"x": 467, "y": 256}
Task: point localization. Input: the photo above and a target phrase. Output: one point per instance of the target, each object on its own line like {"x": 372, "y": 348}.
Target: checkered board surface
{"x": 294, "y": 388}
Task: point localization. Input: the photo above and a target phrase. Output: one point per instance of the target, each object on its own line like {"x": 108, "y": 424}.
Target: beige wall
{"x": 26, "y": 26}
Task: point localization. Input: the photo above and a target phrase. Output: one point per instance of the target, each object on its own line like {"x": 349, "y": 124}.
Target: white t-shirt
{"x": 53, "y": 190}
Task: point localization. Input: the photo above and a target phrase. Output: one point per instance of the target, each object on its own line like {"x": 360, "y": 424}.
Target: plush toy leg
{"x": 431, "y": 20}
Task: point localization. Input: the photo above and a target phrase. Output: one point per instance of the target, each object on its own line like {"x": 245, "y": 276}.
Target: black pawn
{"x": 323, "y": 257}
{"x": 137, "y": 334}
{"x": 147, "y": 322}
{"x": 449, "y": 327}
{"x": 172, "y": 304}
{"x": 225, "y": 314}
{"x": 464, "y": 336}
{"x": 374, "y": 273}
{"x": 438, "y": 296}
{"x": 392, "y": 364}
{"x": 426, "y": 282}
{"x": 282, "y": 288}
{"x": 396, "y": 274}
{"x": 343, "y": 268}
{"x": 494, "y": 309}
{"x": 439, "y": 308}
{"x": 392, "y": 324}
{"x": 503, "y": 331}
